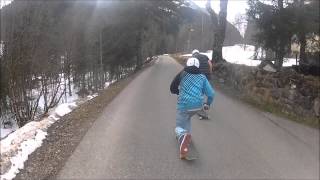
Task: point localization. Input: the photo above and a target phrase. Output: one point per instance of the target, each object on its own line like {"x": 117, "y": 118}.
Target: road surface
{"x": 134, "y": 139}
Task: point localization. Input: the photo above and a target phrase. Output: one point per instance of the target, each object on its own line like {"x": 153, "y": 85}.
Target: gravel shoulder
{"x": 65, "y": 135}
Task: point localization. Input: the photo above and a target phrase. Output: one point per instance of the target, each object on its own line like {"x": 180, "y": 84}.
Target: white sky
{"x": 234, "y": 7}
{"x": 4, "y": 2}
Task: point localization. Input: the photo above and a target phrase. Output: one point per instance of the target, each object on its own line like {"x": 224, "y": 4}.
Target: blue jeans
{"x": 183, "y": 122}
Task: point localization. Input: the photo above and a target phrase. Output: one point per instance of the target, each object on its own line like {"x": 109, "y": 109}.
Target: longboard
{"x": 192, "y": 153}
{"x": 203, "y": 114}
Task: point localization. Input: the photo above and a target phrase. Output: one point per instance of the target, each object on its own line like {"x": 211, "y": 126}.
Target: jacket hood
{"x": 192, "y": 70}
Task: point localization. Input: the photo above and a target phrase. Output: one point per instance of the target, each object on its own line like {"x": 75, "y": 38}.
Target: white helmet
{"x": 195, "y": 51}
{"x": 193, "y": 62}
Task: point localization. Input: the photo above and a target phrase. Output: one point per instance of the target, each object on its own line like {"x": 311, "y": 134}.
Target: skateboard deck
{"x": 203, "y": 114}
{"x": 192, "y": 153}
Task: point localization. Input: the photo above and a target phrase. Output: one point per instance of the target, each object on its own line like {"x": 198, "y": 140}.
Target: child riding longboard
{"x": 190, "y": 86}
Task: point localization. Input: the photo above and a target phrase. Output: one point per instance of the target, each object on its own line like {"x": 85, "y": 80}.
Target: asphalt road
{"x": 134, "y": 139}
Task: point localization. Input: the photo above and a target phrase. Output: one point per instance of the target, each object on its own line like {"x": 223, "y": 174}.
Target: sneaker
{"x": 184, "y": 145}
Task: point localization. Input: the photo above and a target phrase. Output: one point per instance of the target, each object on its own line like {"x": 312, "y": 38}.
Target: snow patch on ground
{"x": 92, "y": 96}
{"x": 26, "y": 147}
{"x": 237, "y": 54}
{"x": 18, "y": 145}
{"x": 65, "y": 108}
{"x": 188, "y": 55}
{"x": 106, "y": 84}
{"x": 5, "y": 132}
{"x": 66, "y": 97}
{"x": 16, "y": 148}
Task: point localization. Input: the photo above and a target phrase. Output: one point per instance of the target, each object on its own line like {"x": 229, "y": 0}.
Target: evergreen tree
{"x": 280, "y": 21}
{"x": 275, "y": 27}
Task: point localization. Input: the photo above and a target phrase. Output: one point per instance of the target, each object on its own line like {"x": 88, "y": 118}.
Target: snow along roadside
{"x": 16, "y": 148}
{"x": 238, "y": 55}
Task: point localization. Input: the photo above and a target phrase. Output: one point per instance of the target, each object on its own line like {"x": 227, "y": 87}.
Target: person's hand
{"x": 206, "y": 106}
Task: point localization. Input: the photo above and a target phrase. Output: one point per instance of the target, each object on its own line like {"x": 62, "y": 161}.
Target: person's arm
{"x": 209, "y": 92}
{"x": 174, "y": 87}
{"x": 210, "y": 66}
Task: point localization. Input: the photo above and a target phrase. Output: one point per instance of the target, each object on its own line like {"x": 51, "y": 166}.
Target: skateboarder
{"x": 190, "y": 86}
{"x": 205, "y": 66}
{"x": 206, "y": 69}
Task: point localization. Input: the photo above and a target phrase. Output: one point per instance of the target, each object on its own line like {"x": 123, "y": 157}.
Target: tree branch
{"x": 214, "y": 18}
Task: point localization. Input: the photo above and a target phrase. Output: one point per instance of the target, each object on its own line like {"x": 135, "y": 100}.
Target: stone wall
{"x": 294, "y": 93}
{"x": 291, "y": 92}
{"x": 287, "y": 92}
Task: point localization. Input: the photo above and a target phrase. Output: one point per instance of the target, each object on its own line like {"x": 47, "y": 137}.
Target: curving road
{"x": 134, "y": 139}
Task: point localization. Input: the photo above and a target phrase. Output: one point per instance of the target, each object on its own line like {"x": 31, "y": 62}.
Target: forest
{"x": 53, "y": 49}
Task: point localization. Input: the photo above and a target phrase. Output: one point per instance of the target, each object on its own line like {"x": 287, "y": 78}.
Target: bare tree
{"x": 241, "y": 24}
{"x": 54, "y": 47}
{"x": 219, "y": 28}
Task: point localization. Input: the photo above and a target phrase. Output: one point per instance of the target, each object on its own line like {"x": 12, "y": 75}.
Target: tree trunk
{"x": 222, "y": 24}
{"x": 281, "y": 49}
{"x": 216, "y": 48}
{"x": 301, "y": 33}
{"x": 279, "y": 58}
{"x": 280, "y": 54}
{"x": 219, "y": 29}
{"x": 303, "y": 43}
{"x": 139, "y": 50}
{"x": 69, "y": 81}
{"x": 280, "y": 4}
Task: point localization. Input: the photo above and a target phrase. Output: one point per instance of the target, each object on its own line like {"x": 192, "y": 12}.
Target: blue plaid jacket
{"x": 191, "y": 86}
